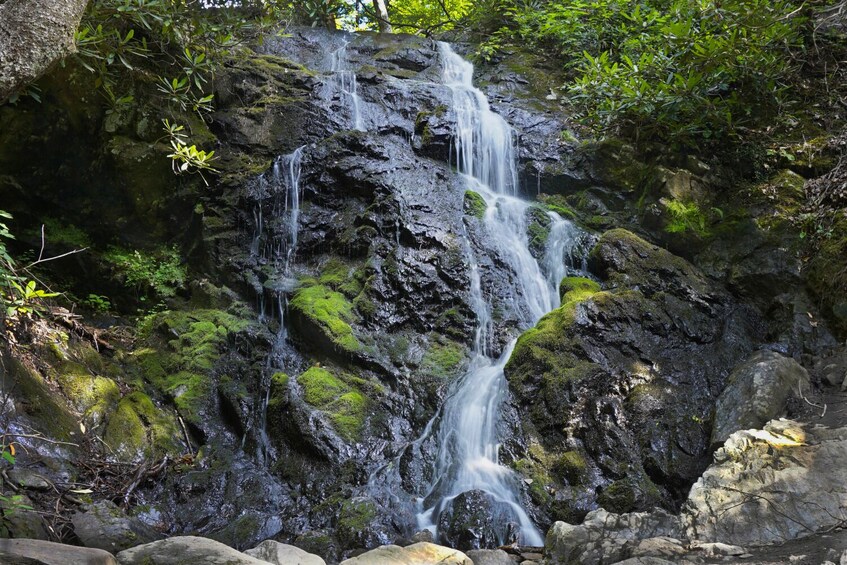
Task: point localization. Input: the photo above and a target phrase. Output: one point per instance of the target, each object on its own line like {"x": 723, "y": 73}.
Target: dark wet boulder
{"x": 474, "y": 520}
{"x": 626, "y": 378}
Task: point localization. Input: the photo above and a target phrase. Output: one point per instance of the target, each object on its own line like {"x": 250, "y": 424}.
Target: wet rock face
{"x": 473, "y": 521}
{"x": 619, "y": 384}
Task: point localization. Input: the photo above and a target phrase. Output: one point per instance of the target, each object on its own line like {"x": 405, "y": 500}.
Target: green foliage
{"x": 680, "y": 71}
{"x": 426, "y": 16}
{"x": 160, "y": 273}
{"x": 187, "y": 158}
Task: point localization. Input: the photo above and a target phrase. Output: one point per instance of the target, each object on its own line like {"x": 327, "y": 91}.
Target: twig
{"x": 185, "y": 431}
{"x": 39, "y": 437}
{"x": 55, "y": 257}
{"x": 809, "y": 402}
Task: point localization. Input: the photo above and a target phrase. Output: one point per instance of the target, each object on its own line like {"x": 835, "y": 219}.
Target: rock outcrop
{"x": 765, "y": 486}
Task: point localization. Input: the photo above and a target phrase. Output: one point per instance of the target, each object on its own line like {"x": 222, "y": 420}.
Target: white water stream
{"x": 466, "y": 433}
{"x": 344, "y": 79}
{"x": 284, "y": 181}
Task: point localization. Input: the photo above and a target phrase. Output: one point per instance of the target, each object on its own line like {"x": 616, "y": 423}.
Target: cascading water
{"x": 279, "y": 251}
{"x": 345, "y": 81}
{"x": 466, "y": 434}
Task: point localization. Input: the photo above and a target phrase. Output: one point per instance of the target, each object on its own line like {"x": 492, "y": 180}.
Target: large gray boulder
{"x": 103, "y": 525}
{"x": 186, "y": 550}
{"x": 757, "y": 392}
{"x": 423, "y": 553}
{"x": 282, "y": 554}
{"x": 38, "y": 552}
{"x": 767, "y": 486}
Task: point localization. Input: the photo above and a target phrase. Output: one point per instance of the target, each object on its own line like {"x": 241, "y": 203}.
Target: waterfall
{"x": 466, "y": 434}
{"x": 344, "y": 80}
{"x": 279, "y": 250}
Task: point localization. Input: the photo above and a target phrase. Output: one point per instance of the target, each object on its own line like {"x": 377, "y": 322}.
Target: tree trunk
{"x": 34, "y": 35}
{"x": 382, "y": 16}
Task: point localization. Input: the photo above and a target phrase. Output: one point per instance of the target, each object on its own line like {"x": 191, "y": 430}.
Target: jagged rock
{"x": 786, "y": 479}
{"x": 473, "y": 520}
{"x": 757, "y": 392}
{"x": 103, "y": 525}
{"x": 282, "y": 554}
{"x": 619, "y": 384}
{"x": 422, "y": 553}
{"x": 37, "y": 552}
{"x": 186, "y": 549}
{"x": 766, "y": 486}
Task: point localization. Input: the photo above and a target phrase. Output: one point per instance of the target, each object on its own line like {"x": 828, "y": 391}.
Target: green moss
{"x": 475, "y": 204}
{"x": 538, "y": 229}
{"x": 354, "y": 517}
{"x": 320, "y": 387}
{"x": 337, "y": 397}
{"x": 138, "y": 429}
{"x": 444, "y": 358}
{"x": 557, "y": 203}
{"x": 94, "y": 396}
{"x": 572, "y": 466}
{"x": 183, "y": 366}
{"x": 334, "y": 273}
{"x": 577, "y": 289}
{"x": 619, "y": 497}
{"x": 330, "y": 312}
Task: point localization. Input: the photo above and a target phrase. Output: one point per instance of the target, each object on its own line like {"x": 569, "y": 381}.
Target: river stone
{"x": 104, "y": 526}
{"x": 757, "y": 391}
{"x": 183, "y": 550}
{"x": 490, "y": 557}
{"x": 37, "y": 552}
{"x": 422, "y": 553}
{"x": 282, "y": 554}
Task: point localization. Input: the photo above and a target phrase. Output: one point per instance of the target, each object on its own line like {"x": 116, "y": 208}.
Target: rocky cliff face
{"x": 296, "y": 383}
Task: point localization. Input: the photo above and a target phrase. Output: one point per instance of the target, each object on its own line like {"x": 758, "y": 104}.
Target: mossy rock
{"x": 36, "y": 399}
{"x": 138, "y": 429}
{"x": 338, "y": 397}
{"x": 474, "y": 204}
{"x": 354, "y": 520}
{"x": 827, "y": 276}
{"x": 572, "y": 466}
{"x": 618, "y": 497}
{"x": 323, "y": 316}
{"x": 444, "y": 358}
{"x": 577, "y": 288}
{"x": 93, "y": 396}
{"x": 183, "y": 367}
{"x": 558, "y": 204}
{"x": 538, "y": 229}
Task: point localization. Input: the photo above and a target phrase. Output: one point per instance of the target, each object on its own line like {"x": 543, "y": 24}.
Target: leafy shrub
{"x": 160, "y": 273}
{"x": 680, "y": 71}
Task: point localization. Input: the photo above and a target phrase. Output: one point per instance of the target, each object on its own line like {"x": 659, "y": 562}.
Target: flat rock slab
{"x": 422, "y": 553}
{"x": 39, "y": 552}
{"x": 103, "y": 525}
{"x": 282, "y": 554}
{"x": 186, "y": 550}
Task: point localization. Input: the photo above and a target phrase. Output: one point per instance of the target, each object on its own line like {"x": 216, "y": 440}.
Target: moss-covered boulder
{"x": 336, "y": 395}
{"x": 620, "y": 383}
{"x": 139, "y": 429}
{"x": 321, "y": 320}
